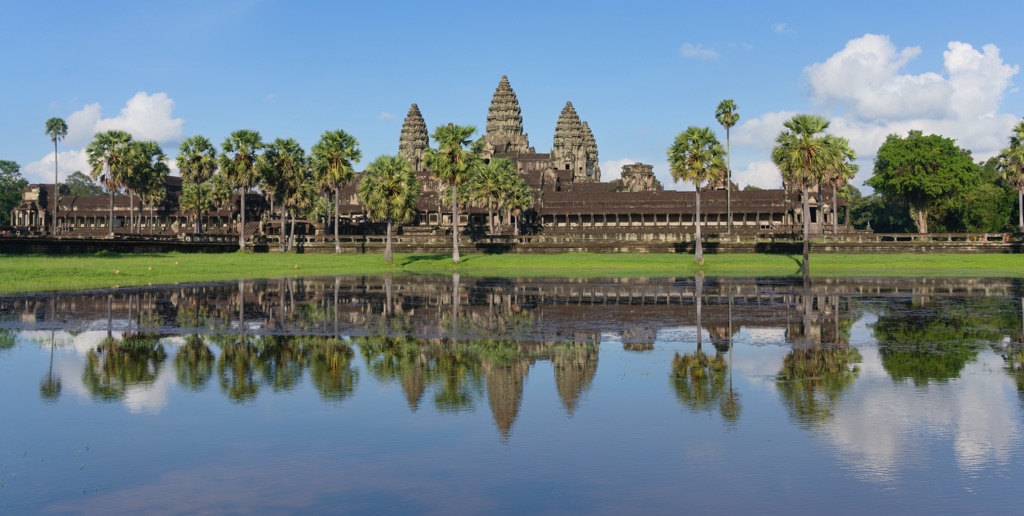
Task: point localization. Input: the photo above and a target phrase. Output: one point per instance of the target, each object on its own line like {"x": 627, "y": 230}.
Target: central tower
{"x": 504, "y": 134}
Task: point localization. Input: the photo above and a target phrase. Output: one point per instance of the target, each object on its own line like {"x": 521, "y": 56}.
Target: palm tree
{"x": 389, "y": 192}
{"x": 301, "y": 201}
{"x": 283, "y": 170}
{"x": 197, "y": 161}
{"x": 1011, "y": 161}
{"x": 332, "y": 158}
{"x": 802, "y": 157}
{"x": 147, "y": 168}
{"x": 727, "y": 116}
{"x": 840, "y": 170}
{"x": 492, "y": 185}
{"x": 56, "y": 129}
{"x": 107, "y": 155}
{"x": 696, "y": 155}
{"x": 451, "y": 163}
{"x": 241, "y": 151}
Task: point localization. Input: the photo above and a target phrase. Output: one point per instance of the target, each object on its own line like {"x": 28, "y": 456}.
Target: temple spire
{"x": 504, "y": 133}
{"x": 414, "y": 139}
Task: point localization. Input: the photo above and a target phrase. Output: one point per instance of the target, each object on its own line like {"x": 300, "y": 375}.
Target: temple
{"x": 570, "y": 202}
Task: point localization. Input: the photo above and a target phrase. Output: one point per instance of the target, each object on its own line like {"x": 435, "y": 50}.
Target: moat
{"x": 415, "y": 394}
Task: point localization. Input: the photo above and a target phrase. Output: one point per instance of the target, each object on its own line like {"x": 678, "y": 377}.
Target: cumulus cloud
{"x": 612, "y": 169}
{"x": 864, "y": 90}
{"x": 691, "y": 51}
{"x": 762, "y": 174}
{"x": 385, "y": 116}
{"x": 145, "y": 116}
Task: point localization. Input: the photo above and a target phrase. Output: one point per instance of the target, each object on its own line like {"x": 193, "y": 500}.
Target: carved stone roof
{"x": 414, "y": 139}
{"x": 504, "y": 131}
{"x": 568, "y": 131}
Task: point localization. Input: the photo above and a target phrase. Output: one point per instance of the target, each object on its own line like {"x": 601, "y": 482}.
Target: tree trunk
{"x": 698, "y": 253}
{"x": 1020, "y": 209}
{"x": 455, "y": 224}
{"x": 728, "y": 180}
{"x": 280, "y": 240}
{"x": 387, "y": 244}
{"x": 110, "y": 219}
{"x": 337, "y": 243}
{"x": 490, "y": 217}
{"x": 291, "y": 234}
{"x": 698, "y": 294}
{"x": 56, "y": 190}
{"x": 835, "y": 211}
{"x": 807, "y": 230}
{"x": 241, "y": 227}
{"x": 199, "y": 207}
{"x": 922, "y": 220}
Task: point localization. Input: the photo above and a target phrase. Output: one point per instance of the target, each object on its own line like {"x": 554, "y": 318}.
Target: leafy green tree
{"x": 11, "y": 186}
{"x": 108, "y": 156}
{"x": 389, "y": 192}
{"x": 840, "y": 169}
{"x": 727, "y": 115}
{"x": 332, "y": 160}
{"x": 56, "y": 129}
{"x": 492, "y": 185}
{"x": 79, "y": 184}
{"x": 283, "y": 170}
{"x": 696, "y": 156}
{"x": 452, "y": 163}
{"x": 197, "y": 161}
{"x": 147, "y": 173}
{"x": 301, "y": 202}
{"x": 923, "y": 170}
{"x": 238, "y": 160}
{"x": 1012, "y": 165}
{"x": 812, "y": 380}
{"x": 801, "y": 154}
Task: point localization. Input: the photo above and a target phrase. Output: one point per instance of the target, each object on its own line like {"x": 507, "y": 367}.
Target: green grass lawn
{"x": 78, "y": 272}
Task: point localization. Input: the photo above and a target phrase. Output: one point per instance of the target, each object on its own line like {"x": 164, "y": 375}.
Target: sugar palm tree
{"x": 197, "y": 161}
{"x": 107, "y": 155}
{"x": 332, "y": 159}
{"x": 696, "y": 156}
{"x": 802, "y": 157}
{"x": 238, "y": 160}
{"x": 491, "y": 185}
{"x": 727, "y": 116}
{"x": 839, "y": 171}
{"x": 1011, "y": 161}
{"x": 146, "y": 167}
{"x": 283, "y": 168}
{"x": 56, "y": 129}
{"x": 451, "y": 163}
{"x": 389, "y": 192}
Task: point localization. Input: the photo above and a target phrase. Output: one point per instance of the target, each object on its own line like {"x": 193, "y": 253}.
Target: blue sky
{"x": 637, "y": 72}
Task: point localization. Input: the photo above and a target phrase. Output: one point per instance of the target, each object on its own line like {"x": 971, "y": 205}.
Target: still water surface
{"x": 448, "y": 394}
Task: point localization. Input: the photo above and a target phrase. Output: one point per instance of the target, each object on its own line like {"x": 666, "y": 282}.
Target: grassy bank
{"x": 48, "y": 273}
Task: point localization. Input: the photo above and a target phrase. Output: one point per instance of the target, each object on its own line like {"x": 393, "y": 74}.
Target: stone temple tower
{"x": 574, "y": 147}
{"x": 504, "y": 134}
{"x": 413, "y": 140}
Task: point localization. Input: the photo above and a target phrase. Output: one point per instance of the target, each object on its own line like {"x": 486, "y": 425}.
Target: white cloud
{"x": 863, "y": 91}
{"x": 612, "y": 169}
{"x": 782, "y": 28}
{"x": 385, "y": 116}
{"x": 762, "y": 174}
{"x": 691, "y": 51}
{"x": 145, "y": 116}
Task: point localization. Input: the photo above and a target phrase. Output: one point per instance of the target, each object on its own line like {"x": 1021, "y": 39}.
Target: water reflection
{"x": 864, "y": 368}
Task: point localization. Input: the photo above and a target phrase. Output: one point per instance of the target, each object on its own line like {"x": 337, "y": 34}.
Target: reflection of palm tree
{"x": 398, "y": 359}
{"x": 699, "y": 380}
{"x": 193, "y": 363}
{"x": 51, "y": 385}
{"x": 281, "y": 361}
{"x": 331, "y": 369}
{"x": 115, "y": 365}
{"x": 812, "y": 380}
{"x": 236, "y": 369}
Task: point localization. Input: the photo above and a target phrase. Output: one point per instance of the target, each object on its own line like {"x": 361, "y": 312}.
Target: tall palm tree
{"x": 451, "y": 163}
{"x": 696, "y": 155}
{"x": 333, "y": 157}
{"x": 492, "y": 185}
{"x": 147, "y": 168}
{"x": 283, "y": 170}
{"x": 56, "y": 129}
{"x": 238, "y": 160}
{"x": 107, "y": 155}
{"x": 802, "y": 157}
{"x": 197, "y": 161}
{"x": 727, "y": 116}
{"x": 840, "y": 170}
{"x": 389, "y": 192}
{"x": 1011, "y": 161}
